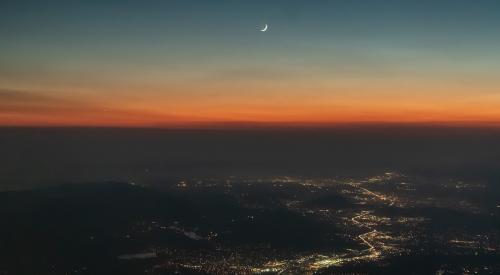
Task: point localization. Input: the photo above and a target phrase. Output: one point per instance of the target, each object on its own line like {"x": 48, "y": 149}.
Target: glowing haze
{"x": 189, "y": 63}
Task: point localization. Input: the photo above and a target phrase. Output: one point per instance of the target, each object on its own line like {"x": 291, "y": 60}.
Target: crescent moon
{"x": 264, "y": 29}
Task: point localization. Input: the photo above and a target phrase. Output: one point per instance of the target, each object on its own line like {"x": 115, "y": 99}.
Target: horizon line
{"x": 252, "y": 125}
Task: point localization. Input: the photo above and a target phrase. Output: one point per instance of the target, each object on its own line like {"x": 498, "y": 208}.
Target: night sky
{"x": 185, "y": 63}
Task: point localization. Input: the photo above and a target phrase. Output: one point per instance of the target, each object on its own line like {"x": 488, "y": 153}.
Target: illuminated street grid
{"x": 377, "y": 236}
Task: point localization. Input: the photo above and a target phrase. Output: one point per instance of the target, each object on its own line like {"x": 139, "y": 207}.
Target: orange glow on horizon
{"x": 238, "y": 116}
{"x": 281, "y": 108}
